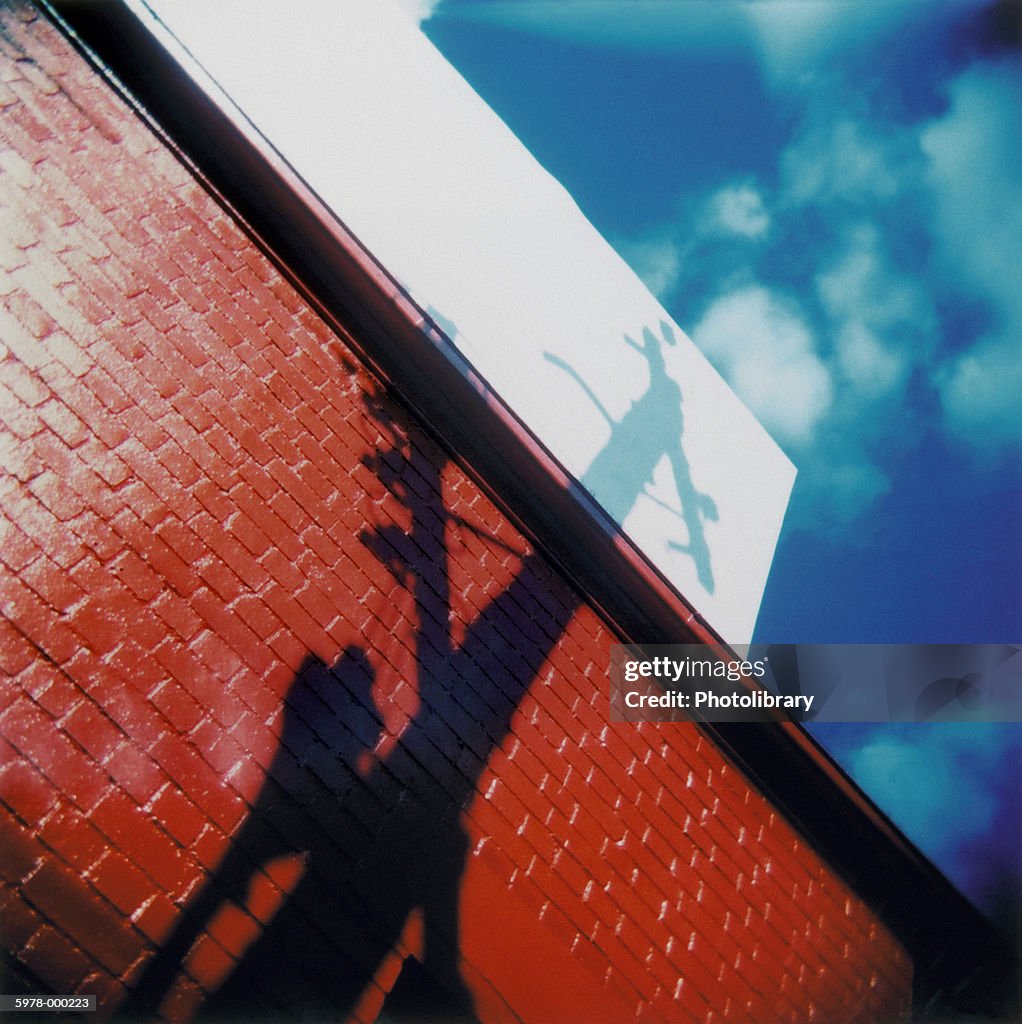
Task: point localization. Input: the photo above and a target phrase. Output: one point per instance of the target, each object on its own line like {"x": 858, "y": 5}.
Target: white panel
{"x": 441, "y": 192}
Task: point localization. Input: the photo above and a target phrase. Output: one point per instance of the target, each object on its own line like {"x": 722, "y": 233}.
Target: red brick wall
{"x": 261, "y": 641}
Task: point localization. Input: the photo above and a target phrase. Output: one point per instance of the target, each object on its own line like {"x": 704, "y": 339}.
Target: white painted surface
{"x": 413, "y": 162}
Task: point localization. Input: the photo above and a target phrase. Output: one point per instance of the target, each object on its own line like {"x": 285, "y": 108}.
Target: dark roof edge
{"x": 962, "y": 964}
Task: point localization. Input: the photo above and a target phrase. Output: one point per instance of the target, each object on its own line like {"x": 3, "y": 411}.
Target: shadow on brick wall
{"x": 374, "y": 813}
{"x": 372, "y": 818}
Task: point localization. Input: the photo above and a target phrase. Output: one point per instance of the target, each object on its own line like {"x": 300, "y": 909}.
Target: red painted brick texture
{"x": 292, "y": 716}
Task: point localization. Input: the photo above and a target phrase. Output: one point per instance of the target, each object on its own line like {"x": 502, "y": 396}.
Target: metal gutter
{"x": 962, "y": 965}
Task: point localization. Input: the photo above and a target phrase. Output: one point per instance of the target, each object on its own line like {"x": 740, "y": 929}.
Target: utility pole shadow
{"x": 375, "y": 817}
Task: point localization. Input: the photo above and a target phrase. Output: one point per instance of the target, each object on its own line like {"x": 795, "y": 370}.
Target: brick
{"x": 70, "y": 835}
{"x": 158, "y": 554}
{"x": 225, "y": 755}
{"x": 32, "y": 316}
{"x": 16, "y": 651}
{"x": 297, "y": 510}
{"x": 119, "y": 881}
{"x": 233, "y": 634}
{"x": 21, "y": 921}
{"x": 95, "y": 927}
{"x": 224, "y": 583}
{"x": 42, "y": 742}
{"x": 23, "y": 383}
{"x": 56, "y": 496}
{"x": 147, "y": 847}
{"x": 284, "y": 537}
{"x": 208, "y": 964}
{"x": 101, "y": 624}
{"x": 251, "y": 536}
{"x": 303, "y": 626}
{"x": 96, "y": 536}
{"x": 27, "y": 792}
{"x": 56, "y": 961}
{"x": 136, "y": 574}
{"x": 181, "y": 710}
{"x": 589, "y": 957}
{"x": 233, "y": 928}
{"x": 64, "y": 423}
{"x": 198, "y": 781}
{"x": 135, "y": 772}
{"x": 51, "y": 690}
{"x": 93, "y": 730}
{"x": 19, "y": 852}
{"x": 47, "y": 579}
{"x": 179, "y": 816}
{"x": 156, "y": 918}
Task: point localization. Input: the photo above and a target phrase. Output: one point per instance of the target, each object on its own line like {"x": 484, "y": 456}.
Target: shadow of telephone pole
{"x": 382, "y": 842}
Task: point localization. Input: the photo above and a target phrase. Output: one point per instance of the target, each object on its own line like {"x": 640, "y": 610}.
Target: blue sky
{"x": 826, "y": 196}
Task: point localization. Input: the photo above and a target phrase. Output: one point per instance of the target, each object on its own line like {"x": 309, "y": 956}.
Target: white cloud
{"x": 918, "y": 772}
{"x": 982, "y": 392}
{"x": 862, "y": 276}
{"x": 796, "y": 38}
{"x": 845, "y": 482}
{"x": 881, "y": 320}
{"x": 702, "y": 236}
{"x": 828, "y": 380}
{"x": 711, "y": 236}
{"x": 738, "y": 210}
{"x": 419, "y": 10}
{"x": 657, "y": 260}
{"x": 888, "y": 768}
{"x": 891, "y": 220}
{"x": 866, "y": 362}
{"x": 975, "y": 151}
{"x": 763, "y": 346}
{"x": 792, "y": 39}
{"x": 632, "y": 24}
{"x": 844, "y": 160}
